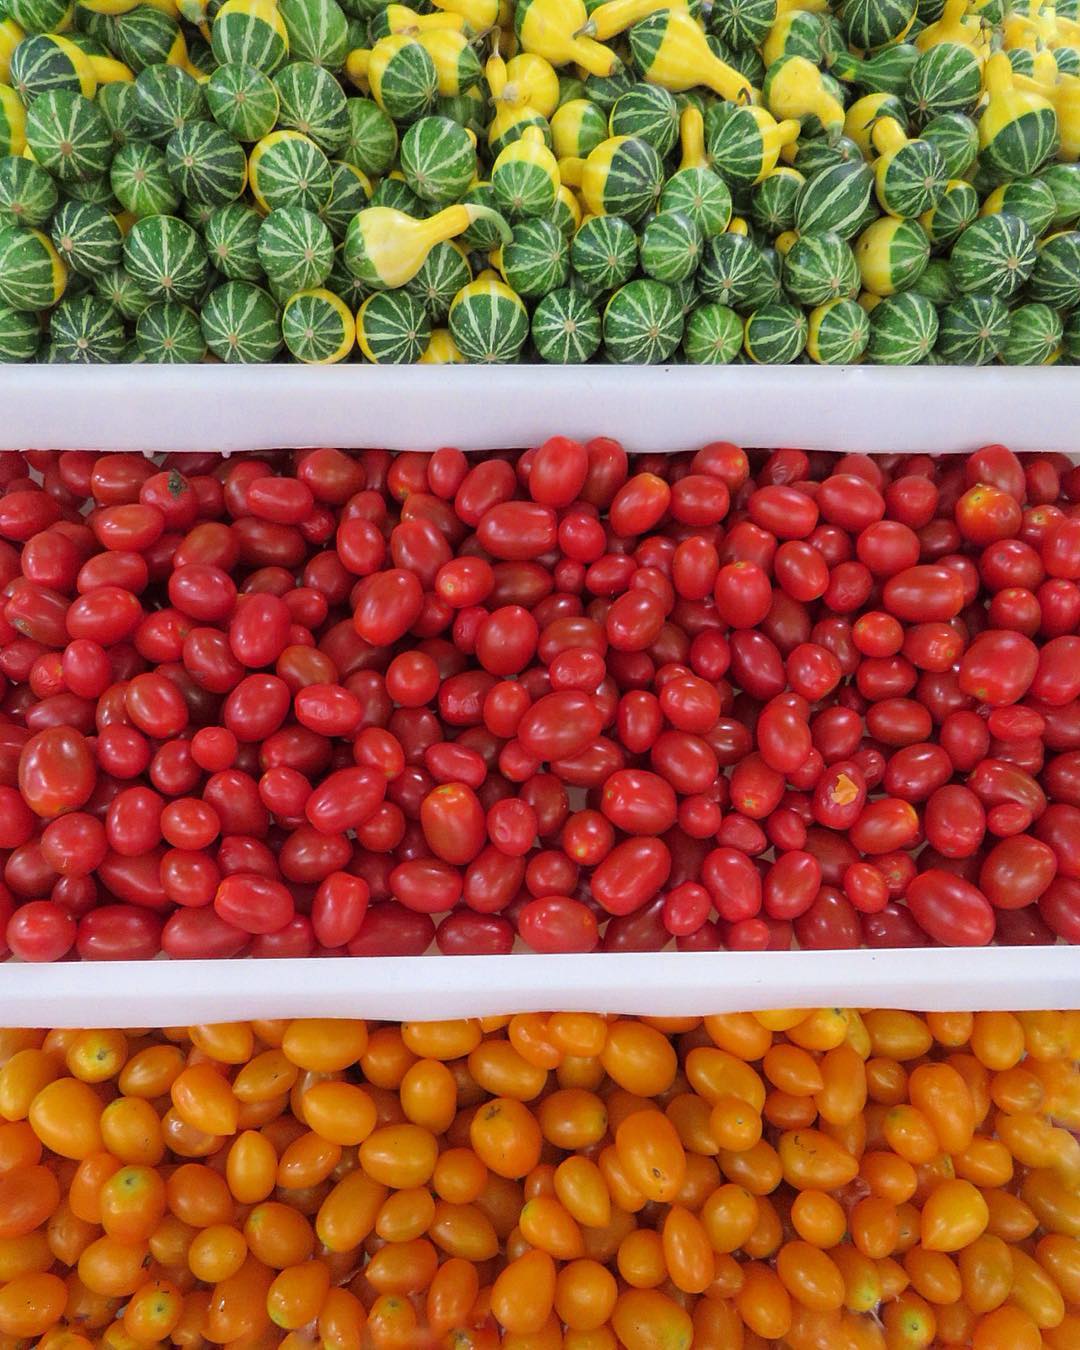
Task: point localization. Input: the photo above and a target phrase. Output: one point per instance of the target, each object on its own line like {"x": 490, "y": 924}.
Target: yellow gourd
{"x": 116, "y": 7}
{"x": 616, "y": 16}
{"x": 441, "y": 350}
{"x": 508, "y": 119}
{"x": 1007, "y": 101}
{"x": 860, "y": 118}
{"x": 807, "y": 6}
{"x": 568, "y": 197}
{"x": 692, "y": 139}
{"x": 12, "y": 116}
{"x": 772, "y": 49}
{"x": 479, "y": 15}
{"x": 107, "y": 70}
{"x": 683, "y": 59}
{"x": 737, "y": 225}
{"x": 445, "y": 47}
{"x": 1065, "y": 99}
{"x": 571, "y": 171}
{"x": 783, "y": 243}
{"x": 530, "y": 148}
{"x": 526, "y": 80}
{"x": 797, "y": 90}
{"x": 1027, "y": 28}
{"x": 404, "y": 20}
{"x": 553, "y": 29}
{"x": 386, "y": 248}
{"x": 10, "y": 37}
{"x": 956, "y": 25}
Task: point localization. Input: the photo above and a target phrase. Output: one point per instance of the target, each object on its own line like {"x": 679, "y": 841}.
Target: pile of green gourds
{"x": 635, "y": 181}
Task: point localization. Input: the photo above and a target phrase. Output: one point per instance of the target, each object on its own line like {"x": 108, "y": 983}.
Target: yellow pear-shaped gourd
{"x": 530, "y": 81}
{"x": 775, "y": 136}
{"x": 10, "y": 37}
{"x": 529, "y": 148}
{"x": 570, "y": 123}
{"x": 385, "y": 248}
{"x": 808, "y": 6}
{"x": 1066, "y": 101}
{"x": 795, "y": 89}
{"x": 616, "y": 16}
{"x": 692, "y": 139}
{"x": 860, "y": 118}
{"x": 553, "y": 29}
{"x": 479, "y": 15}
{"x": 508, "y": 123}
{"x": 441, "y": 350}
{"x": 956, "y": 25}
{"x": 401, "y": 19}
{"x": 671, "y": 51}
{"x": 1007, "y": 102}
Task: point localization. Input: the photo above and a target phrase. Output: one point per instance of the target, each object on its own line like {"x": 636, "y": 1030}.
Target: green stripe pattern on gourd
{"x": 393, "y": 328}
{"x": 1063, "y": 180}
{"x": 139, "y": 176}
{"x": 734, "y": 272}
{"x": 972, "y": 330}
{"x": 995, "y": 254}
{"x": 604, "y": 252}
{"x": 838, "y": 333}
{"x": 648, "y": 112}
{"x": 578, "y": 127}
{"x": 537, "y": 259}
{"x": 643, "y": 323}
{"x": 869, "y": 24}
{"x": 244, "y": 100}
{"x": 372, "y": 140}
{"x": 633, "y": 180}
{"x": 32, "y": 274}
{"x": 292, "y": 171}
{"x": 438, "y": 159}
{"x": 318, "y": 31}
{"x": 775, "y": 334}
{"x": 1029, "y": 198}
{"x": 28, "y": 196}
{"x": 241, "y": 323}
{"x": 1023, "y": 145}
{"x": 484, "y": 233}
{"x": 958, "y": 207}
{"x": 231, "y": 234}
{"x": 820, "y": 267}
{"x": 207, "y": 165}
{"x": 37, "y": 16}
{"x": 119, "y": 104}
{"x": 903, "y": 330}
{"x": 835, "y": 199}
{"x": 167, "y": 98}
{"x": 442, "y": 274}
{"x": 671, "y": 246}
{"x": 20, "y": 335}
{"x": 488, "y": 322}
{"x": 1070, "y": 336}
{"x": 772, "y": 206}
{"x": 121, "y": 289}
{"x": 815, "y": 156}
{"x": 168, "y": 333}
{"x": 912, "y": 181}
{"x": 86, "y": 237}
{"x": 312, "y": 101}
{"x": 566, "y": 327}
{"x": 295, "y": 249}
{"x": 166, "y": 257}
{"x": 350, "y": 191}
{"x": 1034, "y": 336}
{"x": 742, "y": 24}
{"x": 86, "y": 330}
{"x": 69, "y": 136}
{"x": 956, "y": 138}
{"x": 523, "y": 189}
{"x": 892, "y": 254}
{"x": 945, "y": 79}
{"x": 713, "y": 336}
{"x": 702, "y": 195}
{"x": 317, "y": 327}
{"x": 43, "y": 62}
{"x": 248, "y": 39}
{"x": 144, "y": 36}
{"x": 735, "y": 143}
{"x": 1055, "y": 278}
{"x": 409, "y": 84}
{"x": 343, "y": 284}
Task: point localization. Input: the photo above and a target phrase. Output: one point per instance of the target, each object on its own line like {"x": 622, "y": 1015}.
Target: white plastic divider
{"x": 653, "y": 984}
{"x": 215, "y": 407}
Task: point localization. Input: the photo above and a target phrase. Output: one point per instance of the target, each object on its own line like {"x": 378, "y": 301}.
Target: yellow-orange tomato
{"x": 943, "y": 1097}
{"x": 216, "y": 1252}
{"x": 933, "y": 1275}
{"x": 646, "y": 1319}
{"x": 810, "y": 1276}
{"x": 734, "y": 1125}
{"x": 688, "y": 1252}
{"x": 714, "y": 1074}
{"x": 1059, "y": 1256}
{"x": 203, "y": 1098}
{"x": 131, "y": 1131}
{"x": 1056, "y": 1208}
{"x": 818, "y": 1218}
{"x": 307, "y": 1161}
{"x": 523, "y": 1294}
{"x": 113, "y": 1268}
{"x": 348, "y": 1214}
{"x": 813, "y": 1161}
{"x": 341, "y": 1320}
{"x": 578, "y": 1034}
{"x": 585, "y": 1294}
{"x": 278, "y": 1236}
{"x": 548, "y": 1226}
{"x": 650, "y": 1150}
{"x": 30, "y": 1304}
{"x": 909, "y": 1133}
{"x": 581, "y": 1188}
{"x": 1007, "y": 1328}
{"x": 150, "y": 1072}
{"x": 96, "y": 1056}
{"x": 1034, "y": 1290}
{"x": 153, "y": 1311}
{"x": 324, "y": 1045}
{"x": 506, "y": 1137}
{"x": 862, "y": 1281}
{"x": 265, "y": 1078}
{"x": 66, "y": 1117}
{"x": 528, "y": 1034}
{"x": 639, "y": 1058}
{"x": 132, "y": 1203}
{"x": 36, "y": 1252}
{"x": 909, "y": 1320}
{"x": 729, "y": 1216}
{"x": 763, "y": 1302}
{"x": 985, "y": 1162}
{"x": 297, "y": 1293}
{"x": 23, "y": 1077}
{"x": 640, "y": 1259}
{"x": 429, "y": 1095}
{"x": 399, "y": 1155}
{"x": 954, "y": 1215}
{"x": 340, "y": 1112}
{"x": 997, "y": 1039}
{"x": 571, "y": 1118}
{"x": 237, "y": 1307}
{"x": 499, "y": 1069}
{"x": 442, "y": 1040}
{"x": 227, "y": 1042}
{"x": 740, "y": 1034}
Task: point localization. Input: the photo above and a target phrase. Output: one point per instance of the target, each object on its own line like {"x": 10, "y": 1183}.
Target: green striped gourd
{"x": 485, "y": 232}
{"x": 886, "y": 72}
{"x": 566, "y": 327}
{"x": 947, "y": 78}
{"x": 318, "y": 31}
{"x": 287, "y": 168}
{"x": 958, "y": 207}
{"x": 167, "y": 98}
{"x": 536, "y": 260}
{"x": 775, "y": 334}
{"x": 166, "y": 257}
{"x": 1070, "y": 337}
{"x": 37, "y": 16}
{"x": 251, "y": 32}
{"x": 119, "y": 104}
{"x": 837, "y": 333}
{"x": 32, "y": 273}
{"x": 869, "y": 24}
{"x": 995, "y": 254}
{"x": 1029, "y": 198}
{"x": 865, "y": 113}
{"x": 713, "y": 336}
{"x": 819, "y": 268}
{"x": 1055, "y": 278}
{"x": 140, "y": 178}
{"x": 1018, "y": 131}
{"x": 1063, "y": 180}
{"x": 241, "y": 323}
{"x": 350, "y": 192}
{"x": 97, "y": 191}
{"x": 702, "y": 195}
{"x": 510, "y": 123}
{"x": 671, "y": 246}
{"x": 648, "y": 112}
{"x": 20, "y": 335}
{"x": 972, "y": 330}
{"x": 312, "y": 101}
{"x": 28, "y": 196}
{"x": 146, "y": 36}
{"x": 343, "y": 284}
{"x": 622, "y": 176}
{"x": 1034, "y": 336}
{"x": 746, "y": 63}
{"x": 43, "y": 62}
{"x": 525, "y": 176}
{"x": 404, "y": 81}
{"x": 903, "y": 330}
{"x": 438, "y": 159}
{"x": 643, "y": 323}
{"x": 86, "y": 330}
{"x": 733, "y": 272}
{"x": 909, "y": 175}
{"x": 231, "y": 234}
{"x": 835, "y": 199}
{"x": 935, "y": 282}
{"x": 744, "y": 142}
{"x": 488, "y": 322}
{"x": 577, "y": 128}
{"x": 1067, "y": 60}
{"x": 372, "y": 141}
{"x": 393, "y": 328}
{"x": 206, "y": 163}
{"x": 604, "y": 252}
{"x": 318, "y": 327}
{"x": 742, "y": 24}
{"x": 566, "y": 213}
{"x": 686, "y": 295}
{"x": 295, "y": 249}
{"x": 891, "y": 254}
{"x": 86, "y": 237}
{"x": 442, "y": 274}
{"x": 244, "y": 100}
{"x": 956, "y": 139}
{"x": 795, "y": 33}
{"x": 772, "y": 207}
{"x": 69, "y": 136}
{"x": 120, "y": 289}
{"x": 168, "y": 333}
{"x": 814, "y": 156}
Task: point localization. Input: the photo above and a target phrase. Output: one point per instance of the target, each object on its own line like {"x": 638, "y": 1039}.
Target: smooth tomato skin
{"x": 56, "y": 772}
{"x": 389, "y": 929}
{"x": 389, "y": 604}
{"x": 560, "y": 725}
{"x": 40, "y": 931}
{"x": 201, "y": 934}
{"x": 926, "y": 592}
{"x": 950, "y": 910}
{"x": 631, "y": 874}
{"x": 998, "y": 667}
{"x": 453, "y": 822}
{"x": 339, "y": 907}
{"x": 1016, "y": 871}
{"x": 345, "y": 799}
{"x": 639, "y": 802}
{"x": 119, "y": 933}
{"x": 253, "y": 903}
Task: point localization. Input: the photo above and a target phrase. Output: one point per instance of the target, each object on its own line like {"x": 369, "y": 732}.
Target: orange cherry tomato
{"x": 650, "y": 1150}
{"x": 31, "y": 1304}
{"x": 639, "y": 1058}
{"x": 585, "y": 1294}
{"x": 153, "y": 1311}
{"x": 133, "y": 1202}
{"x": 523, "y": 1294}
{"x": 764, "y": 1302}
{"x": 203, "y": 1099}
{"x": 818, "y": 1218}
{"x": 506, "y": 1137}
{"x": 986, "y": 1273}
{"x": 646, "y": 1319}
{"x": 813, "y": 1161}
{"x": 1007, "y": 1328}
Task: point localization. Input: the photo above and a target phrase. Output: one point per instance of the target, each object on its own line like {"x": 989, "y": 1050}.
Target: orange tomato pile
{"x": 827, "y": 1180}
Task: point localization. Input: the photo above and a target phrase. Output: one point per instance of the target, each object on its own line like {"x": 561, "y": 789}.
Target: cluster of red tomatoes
{"x": 330, "y": 702}
{"x": 807, "y": 1180}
